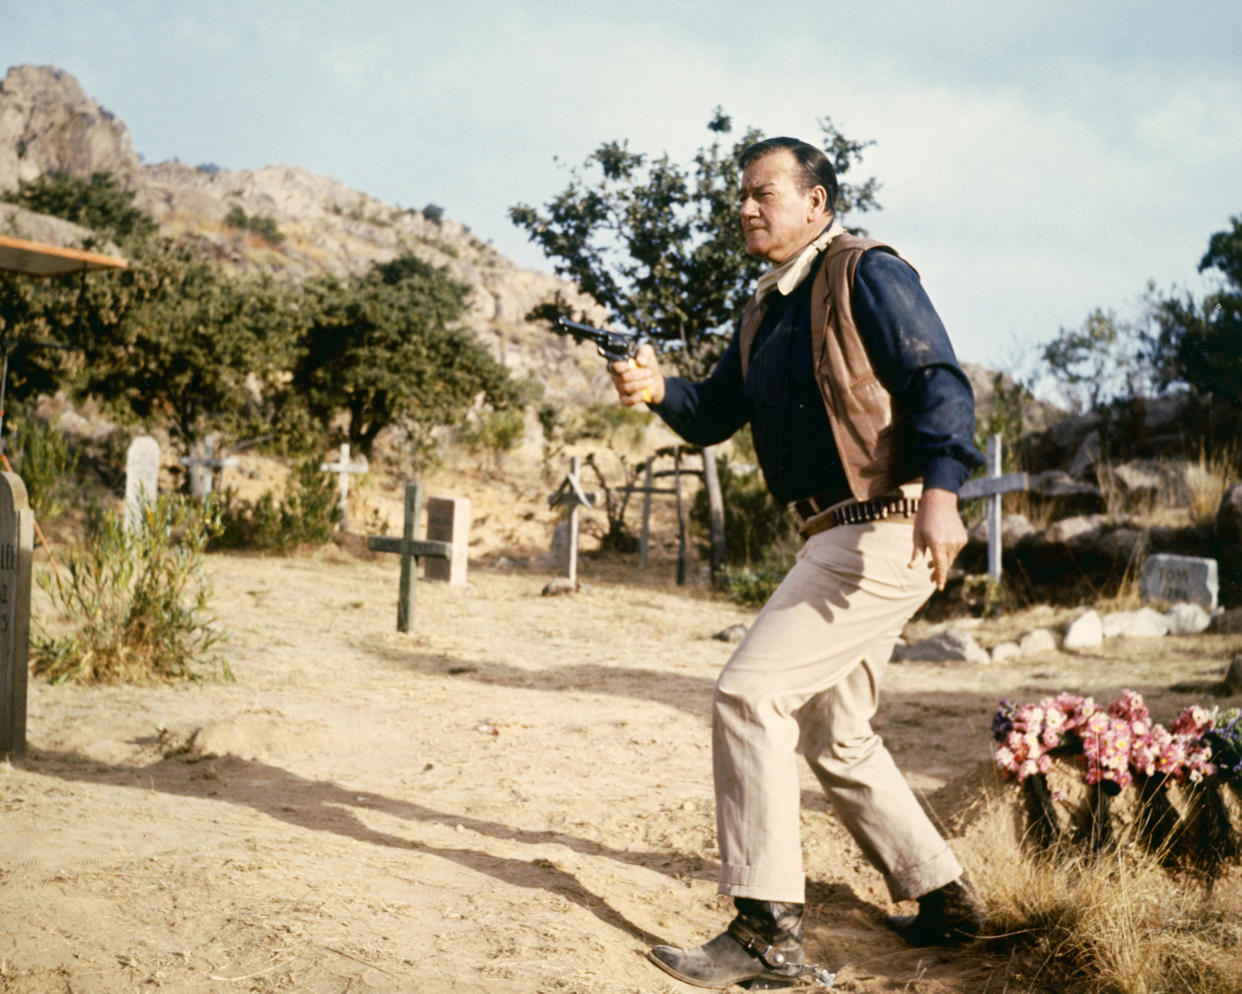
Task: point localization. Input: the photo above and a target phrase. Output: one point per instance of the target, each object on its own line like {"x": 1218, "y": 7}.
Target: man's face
{"x": 777, "y": 218}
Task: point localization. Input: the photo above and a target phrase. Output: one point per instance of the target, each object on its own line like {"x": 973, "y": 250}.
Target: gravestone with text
{"x": 16, "y": 554}
{"x": 142, "y": 477}
{"x": 1175, "y": 579}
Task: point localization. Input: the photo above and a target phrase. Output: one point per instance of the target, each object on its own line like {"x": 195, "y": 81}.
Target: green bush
{"x": 758, "y": 530}
{"x": 47, "y": 465}
{"x": 752, "y": 585}
{"x": 306, "y": 515}
{"x": 136, "y": 601}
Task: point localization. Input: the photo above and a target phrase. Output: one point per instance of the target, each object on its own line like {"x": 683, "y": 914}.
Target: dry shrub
{"x": 135, "y": 601}
{"x": 1114, "y": 923}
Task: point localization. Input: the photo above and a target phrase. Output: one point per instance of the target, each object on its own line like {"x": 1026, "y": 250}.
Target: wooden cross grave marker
{"x": 992, "y": 487}
{"x": 202, "y": 467}
{"x": 409, "y": 549}
{"x": 343, "y": 468}
{"x": 570, "y": 494}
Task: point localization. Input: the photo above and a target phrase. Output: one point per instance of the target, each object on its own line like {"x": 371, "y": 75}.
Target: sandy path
{"x": 515, "y": 798}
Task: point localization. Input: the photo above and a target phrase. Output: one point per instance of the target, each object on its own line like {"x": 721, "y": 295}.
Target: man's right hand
{"x": 638, "y": 380}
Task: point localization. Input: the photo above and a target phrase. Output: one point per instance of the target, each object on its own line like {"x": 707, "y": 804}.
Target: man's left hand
{"x": 938, "y": 530}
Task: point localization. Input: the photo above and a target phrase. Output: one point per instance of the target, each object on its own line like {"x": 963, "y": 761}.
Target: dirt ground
{"x": 514, "y": 798}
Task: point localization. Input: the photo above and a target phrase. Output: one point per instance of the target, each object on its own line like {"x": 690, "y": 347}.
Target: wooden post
{"x": 715, "y": 510}
{"x": 409, "y": 548}
{"x": 343, "y": 468}
{"x": 681, "y": 518}
{"x": 994, "y": 510}
{"x": 16, "y": 554}
{"x": 645, "y": 537}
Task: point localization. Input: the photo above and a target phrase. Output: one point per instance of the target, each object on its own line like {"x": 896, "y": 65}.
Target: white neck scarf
{"x": 786, "y": 276}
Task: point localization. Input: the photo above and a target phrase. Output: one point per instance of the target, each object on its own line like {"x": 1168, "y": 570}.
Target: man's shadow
{"x": 322, "y": 806}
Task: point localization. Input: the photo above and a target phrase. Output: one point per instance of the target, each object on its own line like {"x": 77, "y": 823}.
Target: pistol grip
{"x": 646, "y": 392}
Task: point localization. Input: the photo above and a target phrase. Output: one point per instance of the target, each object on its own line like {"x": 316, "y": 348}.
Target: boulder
{"x": 1187, "y": 619}
{"x": 1229, "y": 544}
{"x": 1039, "y": 640}
{"x": 950, "y": 646}
{"x": 1084, "y": 632}
{"x": 1144, "y": 623}
{"x": 1005, "y": 651}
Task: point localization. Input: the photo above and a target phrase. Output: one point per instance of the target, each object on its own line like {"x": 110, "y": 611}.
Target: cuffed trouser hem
{"x": 753, "y": 882}
{"x": 915, "y": 881}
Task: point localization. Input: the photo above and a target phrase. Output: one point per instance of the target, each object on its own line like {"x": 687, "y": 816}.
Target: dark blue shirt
{"x": 780, "y": 399}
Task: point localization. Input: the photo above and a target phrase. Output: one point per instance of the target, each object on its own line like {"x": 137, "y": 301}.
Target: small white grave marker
{"x": 343, "y": 468}
{"x": 570, "y": 494}
{"x": 142, "y": 477}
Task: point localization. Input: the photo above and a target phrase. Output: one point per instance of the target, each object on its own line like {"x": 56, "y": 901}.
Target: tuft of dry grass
{"x": 1116, "y": 923}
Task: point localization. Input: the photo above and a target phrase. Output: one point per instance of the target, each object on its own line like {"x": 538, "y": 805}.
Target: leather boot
{"x": 948, "y": 916}
{"x": 762, "y": 948}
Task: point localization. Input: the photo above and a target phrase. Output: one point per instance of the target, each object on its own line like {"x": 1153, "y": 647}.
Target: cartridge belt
{"x": 816, "y": 514}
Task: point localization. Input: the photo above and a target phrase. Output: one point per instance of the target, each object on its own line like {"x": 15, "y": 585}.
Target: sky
{"x": 1036, "y": 161}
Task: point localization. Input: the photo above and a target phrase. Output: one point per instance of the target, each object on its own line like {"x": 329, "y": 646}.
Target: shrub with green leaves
{"x": 306, "y": 515}
{"x": 135, "y": 601}
{"x": 47, "y": 465}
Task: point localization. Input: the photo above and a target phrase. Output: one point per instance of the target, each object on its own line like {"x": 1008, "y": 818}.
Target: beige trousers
{"x": 807, "y": 679}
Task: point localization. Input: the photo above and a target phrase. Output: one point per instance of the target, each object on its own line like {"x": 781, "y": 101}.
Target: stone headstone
{"x": 16, "y": 554}
{"x": 448, "y": 520}
{"x": 1174, "y": 579}
{"x": 1084, "y": 632}
{"x": 142, "y": 477}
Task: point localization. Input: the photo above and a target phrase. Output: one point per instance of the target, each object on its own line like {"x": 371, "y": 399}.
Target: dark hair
{"x": 814, "y": 167}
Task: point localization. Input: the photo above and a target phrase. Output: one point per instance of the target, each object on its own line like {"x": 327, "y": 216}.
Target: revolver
{"x": 612, "y": 345}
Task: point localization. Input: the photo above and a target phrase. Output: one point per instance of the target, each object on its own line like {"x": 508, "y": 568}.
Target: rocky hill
{"x": 47, "y": 122}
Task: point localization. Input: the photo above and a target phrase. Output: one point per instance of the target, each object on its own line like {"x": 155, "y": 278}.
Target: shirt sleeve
{"x": 710, "y": 411}
{"x": 915, "y": 361}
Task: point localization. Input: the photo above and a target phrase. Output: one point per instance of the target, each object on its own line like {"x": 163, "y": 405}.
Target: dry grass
{"x": 1113, "y": 924}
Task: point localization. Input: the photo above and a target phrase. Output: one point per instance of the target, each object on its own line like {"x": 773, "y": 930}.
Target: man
{"x": 863, "y": 422}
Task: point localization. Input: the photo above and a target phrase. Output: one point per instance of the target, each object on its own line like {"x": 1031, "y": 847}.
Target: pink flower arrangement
{"x": 1116, "y": 743}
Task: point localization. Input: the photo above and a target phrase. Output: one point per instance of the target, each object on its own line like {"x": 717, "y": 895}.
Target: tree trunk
{"x": 715, "y": 510}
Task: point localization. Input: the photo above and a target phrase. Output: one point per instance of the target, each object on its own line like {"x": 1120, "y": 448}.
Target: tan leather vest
{"x": 865, "y": 419}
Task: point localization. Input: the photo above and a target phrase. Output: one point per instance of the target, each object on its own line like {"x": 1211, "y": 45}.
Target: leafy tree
{"x": 175, "y": 341}
{"x": 660, "y": 245}
{"x": 99, "y": 203}
{"x": 1197, "y": 342}
{"x": 385, "y": 350}
{"x": 1094, "y": 364}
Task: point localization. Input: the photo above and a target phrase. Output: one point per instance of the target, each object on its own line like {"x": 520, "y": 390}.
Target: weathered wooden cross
{"x": 343, "y": 468}
{"x": 202, "y": 467}
{"x": 410, "y": 549}
{"x": 16, "y": 546}
{"x": 992, "y": 487}
{"x": 570, "y": 494}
